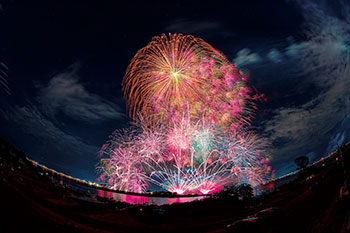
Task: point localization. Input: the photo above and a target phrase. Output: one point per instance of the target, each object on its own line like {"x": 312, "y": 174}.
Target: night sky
{"x": 62, "y": 63}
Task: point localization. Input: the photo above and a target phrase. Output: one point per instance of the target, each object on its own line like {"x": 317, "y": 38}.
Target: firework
{"x": 181, "y": 73}
{"x": 199, "y": 158}
{"x": 191, "y": 109}
{"x": 122, "y": 170}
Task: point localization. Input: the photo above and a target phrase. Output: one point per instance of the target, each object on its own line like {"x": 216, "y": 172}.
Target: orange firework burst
{"x": 181, "y": 73}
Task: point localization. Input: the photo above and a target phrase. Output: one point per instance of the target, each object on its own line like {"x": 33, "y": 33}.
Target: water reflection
{"x": 83, "y": 186}
{"x": 137, "y": 199}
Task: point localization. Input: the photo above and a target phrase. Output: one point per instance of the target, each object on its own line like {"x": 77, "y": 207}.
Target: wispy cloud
{"x": 51, "y": 140}
{"x": 205, "y": 28}
{"x": 275, "y": 55}
{"x": 65, "y": 93}
{"x": 245, "y": 57}
{"x": 325, "y": 57}
{"x": 297, "y": 50}
{"x": 3, "y": 79}
{"x": 33, "y": 122}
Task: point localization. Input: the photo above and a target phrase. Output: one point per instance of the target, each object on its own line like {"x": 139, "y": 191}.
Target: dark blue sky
{"x": 62, "y": 63}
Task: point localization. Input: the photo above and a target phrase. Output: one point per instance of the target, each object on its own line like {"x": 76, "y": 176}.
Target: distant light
{"x": 179, "y": 191}
{"x": 204, "y": 191}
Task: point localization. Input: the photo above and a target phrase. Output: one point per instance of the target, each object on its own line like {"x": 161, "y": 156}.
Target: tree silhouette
{"x": 244, "y": 191}
{"x": 227, "y": 193}
{"x": 301, "y": 162}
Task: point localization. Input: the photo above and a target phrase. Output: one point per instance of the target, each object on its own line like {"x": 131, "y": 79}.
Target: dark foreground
{"x": 317, "y": 200}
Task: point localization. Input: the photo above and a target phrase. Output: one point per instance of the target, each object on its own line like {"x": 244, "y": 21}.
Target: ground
{"x": 314, "y": 202}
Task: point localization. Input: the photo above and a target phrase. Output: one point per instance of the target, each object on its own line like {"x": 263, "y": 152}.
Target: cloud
{"x": 3, "y": 79}
{"x": 74, "y": 156}
{"x": 297, "y": 50}
{"x": 245, "y": 57}
{"x": 336, "y": 141}
{"x": 33, "y": 122}
{"x": 325, "y": 57}
{"x": 204, "y": 28}
{"x": 65, "y": 93}
{"x": 342, "y": 135}
{"x": 275, "y": 55}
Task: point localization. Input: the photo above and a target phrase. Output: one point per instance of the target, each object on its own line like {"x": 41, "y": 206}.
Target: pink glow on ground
{"x": 136, "y": 199}
{"x": 100, "y": 193}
